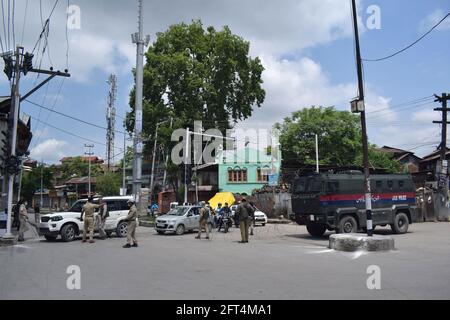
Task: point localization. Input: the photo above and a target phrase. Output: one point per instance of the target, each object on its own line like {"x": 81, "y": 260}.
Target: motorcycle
{"x": 224, "y": 222}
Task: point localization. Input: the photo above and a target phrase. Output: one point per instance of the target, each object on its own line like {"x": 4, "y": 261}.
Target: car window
{"x": 112, "y": 206}
{"x": 77, "y": 206}
{"x": 390, "y": 184}
{"x": 122, "y": 205}
{"x": 379, "y": 184}
{"x": 401, "y": 183}
{"x": 195, "y": 211}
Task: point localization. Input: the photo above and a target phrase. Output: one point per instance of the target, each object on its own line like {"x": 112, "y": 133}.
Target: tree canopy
{"x": 31, "y": 181}
{"x": 79, "y": 167}
{"x": 339, "y": 134}
{"x": 108, "y": 184}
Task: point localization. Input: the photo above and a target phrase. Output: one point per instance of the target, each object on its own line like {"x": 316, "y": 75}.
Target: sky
{"x": 306, "y": 47}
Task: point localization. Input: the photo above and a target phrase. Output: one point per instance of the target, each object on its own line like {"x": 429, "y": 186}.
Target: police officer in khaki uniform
{"x": 88, "y": 211}
{"x": 131, "y": 228}
{"x": 242, "y": 214}
{"x": 23, "y": 218}
{"x": 205, "y": 213}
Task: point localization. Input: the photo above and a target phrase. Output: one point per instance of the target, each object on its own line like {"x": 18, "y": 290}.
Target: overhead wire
{"x": 411, "y": 45}
{"x": 24, "y": 21}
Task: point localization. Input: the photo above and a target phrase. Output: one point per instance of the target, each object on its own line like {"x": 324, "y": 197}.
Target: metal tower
{"x": 111, "y": 120}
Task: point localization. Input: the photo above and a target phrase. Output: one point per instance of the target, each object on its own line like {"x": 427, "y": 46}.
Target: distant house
{"x": 94, "y": 159}
{"x": 430, "y": 161}
{"x": 246, "y": 170}
{"x": 409, "y": 161}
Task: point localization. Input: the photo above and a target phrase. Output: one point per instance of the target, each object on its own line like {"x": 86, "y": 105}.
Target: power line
{"x": 24, "y": 20}
{"x": 412, "y": 44}
{"x": 412, "y": 102}
{"x": 68, "y": 132}
{"x": 384, "y": 113}
{"x": 71, "y": 117}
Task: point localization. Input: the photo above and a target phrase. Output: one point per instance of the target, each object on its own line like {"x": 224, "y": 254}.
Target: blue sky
{"x": 306, "y": 47}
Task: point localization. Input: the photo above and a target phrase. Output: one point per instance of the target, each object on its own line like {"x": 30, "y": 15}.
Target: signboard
{"x": 273, "y": 180}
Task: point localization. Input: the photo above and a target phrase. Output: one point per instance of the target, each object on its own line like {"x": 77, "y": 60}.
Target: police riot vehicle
{"x": 337, "y": 202}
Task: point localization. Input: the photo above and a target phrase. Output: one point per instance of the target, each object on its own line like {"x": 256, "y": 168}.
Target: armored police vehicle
{"x": 337, "y": 202}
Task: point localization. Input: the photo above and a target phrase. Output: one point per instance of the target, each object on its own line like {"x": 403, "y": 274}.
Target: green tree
{"x": 31, "y": 181}
{"x": 339, "y": 135}
{"x": 79, "y": 167}
{"x": 194, "y": 74}
{"x": 109, "y": 184}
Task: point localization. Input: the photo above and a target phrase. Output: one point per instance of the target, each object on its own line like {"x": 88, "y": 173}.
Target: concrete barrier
{"x": 351, "y": 242}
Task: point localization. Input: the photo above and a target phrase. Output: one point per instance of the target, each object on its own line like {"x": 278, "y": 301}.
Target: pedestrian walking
{"x": 37, "y": 214}
{"x": 103, "y": 214}
{"x": 131, "y": 228}
{"x": 205, "y": 212}
{"x": 88, "y": 212}
{"x": 243, "y": 216}
{"x": 23, "y": 218}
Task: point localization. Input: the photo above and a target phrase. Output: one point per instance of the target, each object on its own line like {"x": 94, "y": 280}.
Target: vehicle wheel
{"x": 121, "y": 229}
{"x": 347, "y": 224}
{"x": 180, "y": 230}
{"x": 226, "y": 227}
{"x": 263, "y": 224}
{"x": 160, "y": 232}
{"x": 68, "y": 233}
{"x": 401, "y": 223}
{"x": 315, "y": 229}
{"x": 50, "y": 238}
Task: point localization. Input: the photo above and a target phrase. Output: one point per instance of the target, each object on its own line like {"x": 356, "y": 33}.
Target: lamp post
{"x": 89, "y": 153}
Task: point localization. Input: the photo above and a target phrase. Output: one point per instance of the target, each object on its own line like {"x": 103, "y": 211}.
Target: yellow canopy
{"x": 222, "y": 197}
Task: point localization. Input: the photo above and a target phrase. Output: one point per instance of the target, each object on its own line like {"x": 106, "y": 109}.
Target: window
{"x": 261, "y": 175}
{"x": 237, "y": 175}
{"x": 379, "y": 184}
{"x": 333, "y": 186}
{"x": 390, "y": 184}
{"x": 401, "y": 183}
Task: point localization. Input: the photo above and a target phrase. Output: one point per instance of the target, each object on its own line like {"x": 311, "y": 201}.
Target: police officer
{"x": 131, "y": 228}
{"x": 205, "y": 212}
{"x": 88, "y": 212}
{"x": 23, "y": 218}
{"x": 243, "y": 216}
{"x": 101, "y": 219}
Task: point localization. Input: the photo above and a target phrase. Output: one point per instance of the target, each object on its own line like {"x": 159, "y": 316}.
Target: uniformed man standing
{"x": 23, "y": 218}
{"x": 88, "y": 211}
{"x": 243, "y": 216}
{"x": 205, "y": 212}
{"x": 101, "y": 219}
{"x": 131, "y": 228}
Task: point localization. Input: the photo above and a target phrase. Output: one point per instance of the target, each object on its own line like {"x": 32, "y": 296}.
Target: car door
{"x": 190, "y": 219}
{"x": 195, "y": 219}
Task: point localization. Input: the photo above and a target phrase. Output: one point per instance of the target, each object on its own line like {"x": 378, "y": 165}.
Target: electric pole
{"x": 138, "y": 39}
{"x": 111, "y": 120}
{"x": 166, "y": 161}
{"x": 442, "y": 170}
{"x": 187, "y": 156}
{"x": 317, "y": 153}
{"x": 89, "y": 153}
{"x": 124, "y": 186}
{"x": 358, "y": 106}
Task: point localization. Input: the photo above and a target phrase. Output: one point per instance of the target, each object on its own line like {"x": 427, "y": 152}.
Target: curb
{"x": 146, "y": 224}
{"x": 278, "y": 221}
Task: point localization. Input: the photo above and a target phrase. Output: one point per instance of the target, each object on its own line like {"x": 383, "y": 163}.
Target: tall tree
{"x": 339, "y": 135}
{"x": 108, "y": 184}
{"x": 79, "y": 167}
{"x": 197, "y": 74}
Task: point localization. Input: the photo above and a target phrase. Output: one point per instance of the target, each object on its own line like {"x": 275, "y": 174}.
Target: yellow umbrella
{"x": 222, "y": 197}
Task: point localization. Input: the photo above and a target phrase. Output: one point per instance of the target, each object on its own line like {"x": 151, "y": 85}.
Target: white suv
{"x": 69, "y": 226}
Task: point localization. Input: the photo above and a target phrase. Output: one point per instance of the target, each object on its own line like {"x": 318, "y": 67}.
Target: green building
{"x": 248, "y": 169}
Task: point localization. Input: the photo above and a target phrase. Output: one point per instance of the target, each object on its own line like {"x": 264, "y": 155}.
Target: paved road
{"x": 280, "y": 262}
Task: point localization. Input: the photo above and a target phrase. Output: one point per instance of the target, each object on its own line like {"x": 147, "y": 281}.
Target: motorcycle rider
{"x": 225, "y": 215}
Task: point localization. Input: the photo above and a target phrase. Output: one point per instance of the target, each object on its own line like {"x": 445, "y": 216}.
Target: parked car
{"x": 179, "y": 220}
{"x": 68, "y": 224}
{"x": 260, "y": 217}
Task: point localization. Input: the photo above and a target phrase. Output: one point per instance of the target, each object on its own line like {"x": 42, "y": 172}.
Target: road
{"x": 280, "y": 262}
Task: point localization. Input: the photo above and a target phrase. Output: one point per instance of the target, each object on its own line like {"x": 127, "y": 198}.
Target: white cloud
{"x": 432, "y": 19}
{"x": 51, "y": 150}
{"x": 425, "y": 117}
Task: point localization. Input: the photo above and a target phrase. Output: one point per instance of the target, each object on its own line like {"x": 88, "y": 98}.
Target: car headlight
{"x": 57, "y": 218}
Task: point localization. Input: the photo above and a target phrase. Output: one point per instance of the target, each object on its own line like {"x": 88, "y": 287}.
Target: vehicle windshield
{"x": 77, "y": 206}
{"x": 306, "y": 185}
{"x": 178, "y": 211}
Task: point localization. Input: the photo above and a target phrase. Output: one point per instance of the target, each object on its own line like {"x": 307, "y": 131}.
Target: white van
{"x": 68, "y": 224}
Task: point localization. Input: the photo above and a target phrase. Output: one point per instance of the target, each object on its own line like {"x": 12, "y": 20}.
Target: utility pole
{"x": 124, "y": 186}
{"x": 42, "y": 184}
{"x": 138, "y": 39}
{"x": 111, "y": 120}
{"x": 317, "y": 153}
{"x": 166, "y": 161}
{"x": 358, "y": 106}
{"x": 443, "y": 174}
{"x": 186, "y": 161}
{"x": 89, "y": 154}
{"x": 15, "y": 105}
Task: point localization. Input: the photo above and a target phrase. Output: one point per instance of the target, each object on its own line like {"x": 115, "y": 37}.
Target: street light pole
{"x": 89, "y": 153}
{"x": 42, "y": 183}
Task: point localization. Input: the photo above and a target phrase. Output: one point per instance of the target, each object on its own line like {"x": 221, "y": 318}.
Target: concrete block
{"x": 351, "y": 242}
